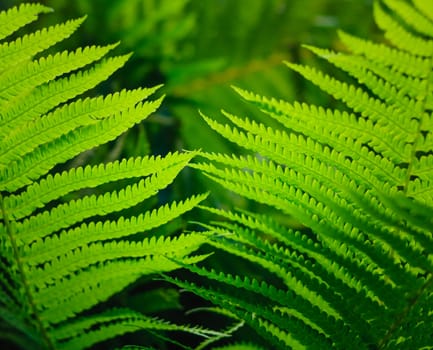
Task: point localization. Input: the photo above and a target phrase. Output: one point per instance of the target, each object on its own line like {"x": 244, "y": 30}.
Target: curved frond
{"x": 359, "y": 271}
{"x": 64, "y": 247}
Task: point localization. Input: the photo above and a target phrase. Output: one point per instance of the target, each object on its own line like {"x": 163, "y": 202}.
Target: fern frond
{"x": 65, "y": 250}
{"x": 17, "y": 17}
{"x": 359, "y": 100}
{"x": 403, "y": 62}
{"x": 26, "y": 77}
{"x": 313, "y": 121}
{"x": 359, "y": 178}
{"x": 398, "y": 35}
{"x": 65, "y": 119}
{"x": 78, "y": 259}
{"x": 32, "y": 165}
{"x": 388, "y": 85}
{"x": 68, "y": 240}
{"x": 52, "y": 187}
{"x": 112, "y": 323}
{"x": 42, "y": 99}
{"x": 414, "y": 19}
{"x": 26, "y": 47}
{"x": 69, "y": 296}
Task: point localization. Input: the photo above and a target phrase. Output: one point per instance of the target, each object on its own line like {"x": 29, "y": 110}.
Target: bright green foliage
{"x": 359, "y": 177}
{"x": 62, "y": 250}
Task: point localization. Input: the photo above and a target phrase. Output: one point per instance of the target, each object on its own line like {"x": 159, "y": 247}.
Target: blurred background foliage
{"x": 198, "y": 49}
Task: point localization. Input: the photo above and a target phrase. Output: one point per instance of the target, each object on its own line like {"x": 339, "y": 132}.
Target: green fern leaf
{"x": 359, "y": 177}
{"x": 65, "y": 250}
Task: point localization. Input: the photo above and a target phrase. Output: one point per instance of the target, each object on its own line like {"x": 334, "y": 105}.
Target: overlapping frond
{"x": 359, "y": 177}
{"x": 64, "y": 247}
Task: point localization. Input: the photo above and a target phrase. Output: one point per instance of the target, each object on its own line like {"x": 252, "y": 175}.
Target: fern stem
{"x": 412, "y": 302}
{"x": 28, "y": 294}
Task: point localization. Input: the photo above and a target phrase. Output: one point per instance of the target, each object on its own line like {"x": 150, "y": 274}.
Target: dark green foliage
{"x": 359, "y": 178}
